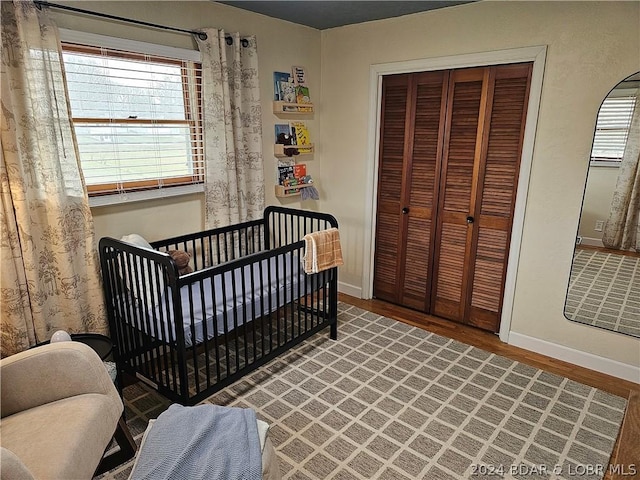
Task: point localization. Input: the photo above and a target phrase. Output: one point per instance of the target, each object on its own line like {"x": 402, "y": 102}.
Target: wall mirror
{"x": 604, "y": 285}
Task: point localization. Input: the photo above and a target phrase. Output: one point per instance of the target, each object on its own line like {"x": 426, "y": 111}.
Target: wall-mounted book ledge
{"x": 279, "y": 149}
{"x": 292, "y": 191}
{"x": 280, "y": 107}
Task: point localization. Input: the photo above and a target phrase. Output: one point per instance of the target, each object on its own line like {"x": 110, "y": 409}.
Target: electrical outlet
{"x": 599, "y": 225}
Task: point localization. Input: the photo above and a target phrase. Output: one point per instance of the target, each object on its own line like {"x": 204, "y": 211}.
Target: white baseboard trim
{"x": 592, "y": 242}
{"x": 577, "y": 357}
{"x": 350, "y": 289}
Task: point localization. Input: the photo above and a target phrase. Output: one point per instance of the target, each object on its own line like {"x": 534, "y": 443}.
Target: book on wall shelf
{"x": 288, "y": 92}
{"x": 299, "y": 171}
{"x": 299, "y": 76}
{"x": 285, "y": 174}
{"x": 282, "y": 128}
{"x": 301, "y": 134}
{"x": 278, "y": 79}
{"x": 302, "y": 97}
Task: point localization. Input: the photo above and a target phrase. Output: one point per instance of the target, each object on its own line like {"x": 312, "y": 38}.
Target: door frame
{"x": 537, "y": 55}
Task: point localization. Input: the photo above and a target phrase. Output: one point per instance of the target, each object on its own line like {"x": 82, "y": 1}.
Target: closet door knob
{"x": 405, "y": 210}
{"x": 470, "y": 219}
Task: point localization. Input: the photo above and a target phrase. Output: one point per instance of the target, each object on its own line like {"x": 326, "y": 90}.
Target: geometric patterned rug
{"x": 392, "y": 401}
{"x": 604, "y": 291}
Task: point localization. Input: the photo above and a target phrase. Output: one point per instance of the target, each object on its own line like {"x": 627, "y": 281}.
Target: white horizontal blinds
{"x": 136, "y": 117}
{"x": 612, "y": 128}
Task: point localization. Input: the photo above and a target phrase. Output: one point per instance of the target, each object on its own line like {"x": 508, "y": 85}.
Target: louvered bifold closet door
{"x": 467, "y": 103}
{"x": 422, "y": 171}
{"x": 405, "y": 224}
{"x": 395, "y": 90}
{"x": 495, "y": 198}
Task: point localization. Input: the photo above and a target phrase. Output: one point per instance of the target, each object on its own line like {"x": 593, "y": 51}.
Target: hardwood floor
{"x": 625, "y": 460}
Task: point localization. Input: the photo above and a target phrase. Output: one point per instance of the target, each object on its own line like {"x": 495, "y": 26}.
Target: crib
{"x": 247, "y": 301}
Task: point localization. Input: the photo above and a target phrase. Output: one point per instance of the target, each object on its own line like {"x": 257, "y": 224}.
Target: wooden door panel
{"x": 463, "y": 127}
{"x": 496, "y": 195}
{"x": 421, "y": 185}
{"x": 426, "y": 139}
{"x": 490, "y": 260}
{"x": 459, "y": 166}
{"x": 416, "y": 263}
{"x": 390, "y": 178}
{"x": 450, "y": 271}
{"x": 504, "y": 146}
{"x": 385, "y": 285}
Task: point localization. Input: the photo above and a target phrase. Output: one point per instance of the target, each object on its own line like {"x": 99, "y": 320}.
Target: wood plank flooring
{"x": 625, "y": 461}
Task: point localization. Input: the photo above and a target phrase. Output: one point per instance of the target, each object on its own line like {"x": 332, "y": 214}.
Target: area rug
{"x": 604, "y": 291}
{"x": 391, "y": 401}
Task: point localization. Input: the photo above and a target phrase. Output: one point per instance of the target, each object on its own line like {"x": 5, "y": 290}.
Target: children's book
{"x": 302, "y": 136}
{"x": 285, "y": 174}
{"x": 282, "y": 128}
{"x": 288, "y": 92}
{"x": 299, "y": 170}
{"x": 302, "y": 94}
{"x": 299, "y": 76}
{"x": 277, "y": 78}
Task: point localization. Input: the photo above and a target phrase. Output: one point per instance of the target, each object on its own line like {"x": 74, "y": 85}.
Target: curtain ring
{"x": 245, "y": 42}
{"x": 202, "y": 35}
{"x": 229, "y": 40}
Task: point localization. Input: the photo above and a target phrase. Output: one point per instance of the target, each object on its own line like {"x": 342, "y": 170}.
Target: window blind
{"x": 137, "y": 118}
{"x": 612, "y": 128}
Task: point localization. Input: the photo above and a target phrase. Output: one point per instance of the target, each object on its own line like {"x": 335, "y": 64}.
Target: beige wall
{"x": 280, "y": 45}
{"x": 591, "y": 47}
{"x": 601, "y": 181}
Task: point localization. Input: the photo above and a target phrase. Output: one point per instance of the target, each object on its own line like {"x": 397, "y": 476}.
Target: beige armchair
{"x": 60, "y": 411}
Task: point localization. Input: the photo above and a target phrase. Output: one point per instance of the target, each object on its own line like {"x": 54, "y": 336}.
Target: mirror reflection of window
{"x": 604, "y": 286}
{"x": 612, "y": 126}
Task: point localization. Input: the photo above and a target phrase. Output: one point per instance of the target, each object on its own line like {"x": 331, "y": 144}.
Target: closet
{"x": 450, "y": 147}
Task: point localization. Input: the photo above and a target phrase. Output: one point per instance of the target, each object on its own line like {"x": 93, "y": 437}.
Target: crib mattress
{"x": 237, "y": 296}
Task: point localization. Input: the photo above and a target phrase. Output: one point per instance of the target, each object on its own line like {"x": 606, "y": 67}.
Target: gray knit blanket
{"x": 203, "y": 442}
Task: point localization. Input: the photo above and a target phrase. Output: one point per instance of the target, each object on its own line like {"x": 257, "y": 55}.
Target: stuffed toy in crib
{"x": 182, "y": 260}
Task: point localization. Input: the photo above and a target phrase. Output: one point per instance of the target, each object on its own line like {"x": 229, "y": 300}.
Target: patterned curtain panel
{"x": 232, "y": 119}
{"x": 49, "y": 268}
{"x": 622, "y": 229}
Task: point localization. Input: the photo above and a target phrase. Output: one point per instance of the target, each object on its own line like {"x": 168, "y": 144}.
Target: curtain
{"x": 49, "y": 268}
{"x": 622, "y": 229}
{"x": 232, "y": 124}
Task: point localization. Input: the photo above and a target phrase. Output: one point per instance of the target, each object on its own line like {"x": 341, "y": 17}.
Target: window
{"x": 137, "y": 118}
{"x": 612, "y": 127}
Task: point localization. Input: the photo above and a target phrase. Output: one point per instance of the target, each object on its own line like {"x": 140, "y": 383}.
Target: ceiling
{"x": 321, "y": 14}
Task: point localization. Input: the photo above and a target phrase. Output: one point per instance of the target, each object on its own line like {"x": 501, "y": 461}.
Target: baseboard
{"x": 592, "y": 242}
{"x": 577, "y": 357}
{"x": 350, "y": 289}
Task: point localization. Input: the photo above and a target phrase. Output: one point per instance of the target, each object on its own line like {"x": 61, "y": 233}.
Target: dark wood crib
{"x": 247, "y": 301}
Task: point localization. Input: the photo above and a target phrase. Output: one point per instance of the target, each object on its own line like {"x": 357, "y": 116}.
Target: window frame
{"x": 80, "y": 42}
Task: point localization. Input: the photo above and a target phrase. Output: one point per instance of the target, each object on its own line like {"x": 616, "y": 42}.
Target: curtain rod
{"x": 203, "y": 36}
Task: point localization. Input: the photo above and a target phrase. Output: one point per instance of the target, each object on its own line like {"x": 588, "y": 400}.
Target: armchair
{"x": 59, "y": 411}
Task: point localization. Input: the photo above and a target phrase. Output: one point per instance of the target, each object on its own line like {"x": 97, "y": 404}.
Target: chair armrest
{"x": 52, "y": 372}
{"x": 11, "y": 467}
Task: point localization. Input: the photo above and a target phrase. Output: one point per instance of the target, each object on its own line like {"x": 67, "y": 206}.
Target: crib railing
{"x": 216, "y": 246}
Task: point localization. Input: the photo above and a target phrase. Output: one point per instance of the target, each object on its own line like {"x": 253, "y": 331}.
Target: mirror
{"x": 604, "y": 285}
